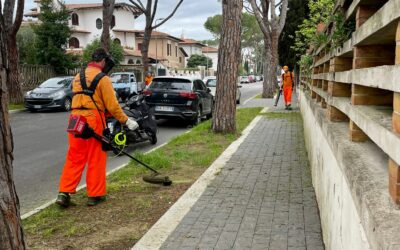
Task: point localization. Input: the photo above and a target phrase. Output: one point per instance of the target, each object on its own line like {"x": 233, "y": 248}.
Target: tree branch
{"x": 154, "y": 11}
{"x": 282, "y": 18}
{"x": 170, "y": 15}
{"x": 260, "y": 18}
{"x": 137, "y": 5}
{"x": 18, "y": 17}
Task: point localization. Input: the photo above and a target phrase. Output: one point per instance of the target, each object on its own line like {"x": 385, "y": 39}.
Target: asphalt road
{"x": 41, "y": 143}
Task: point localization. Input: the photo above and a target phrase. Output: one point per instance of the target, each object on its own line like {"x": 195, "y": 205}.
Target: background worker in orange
{"x": 287, "y": 86}
{"x": 148, "y": 79}
{"x": 82, "y": 151}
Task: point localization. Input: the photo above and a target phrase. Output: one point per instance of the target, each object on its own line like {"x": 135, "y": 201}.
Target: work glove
{"x": 131, "y": 124}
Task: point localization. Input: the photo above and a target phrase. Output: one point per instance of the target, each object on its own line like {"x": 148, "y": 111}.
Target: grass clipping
{"x": 132, "y": 206}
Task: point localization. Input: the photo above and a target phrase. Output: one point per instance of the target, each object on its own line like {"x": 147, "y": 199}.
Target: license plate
{"x": 164, "y": 108}
{"x": 37, "y": 106}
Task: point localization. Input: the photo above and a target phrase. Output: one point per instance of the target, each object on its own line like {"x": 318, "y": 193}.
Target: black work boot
{"x": 289, "y": 107}
{"x": 93, "y": 201}
{"x": 63, "y": 200}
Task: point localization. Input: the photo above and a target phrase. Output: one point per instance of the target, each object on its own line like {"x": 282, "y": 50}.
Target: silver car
{"x": 212, "y": 85}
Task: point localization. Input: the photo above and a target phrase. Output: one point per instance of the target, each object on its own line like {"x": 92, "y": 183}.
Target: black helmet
{"x": 100, "y": 54}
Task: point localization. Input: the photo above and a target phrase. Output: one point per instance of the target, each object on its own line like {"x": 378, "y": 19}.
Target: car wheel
{"x": 238, "y": 101}
{"x": 67, "y": 104}
{"x": 153, "y": 139}
{"x": 209, "y": 116}
{"x": 197, "y": 119}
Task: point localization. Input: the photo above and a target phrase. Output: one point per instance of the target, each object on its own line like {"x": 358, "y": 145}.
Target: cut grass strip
{"x": 133, "y": 206}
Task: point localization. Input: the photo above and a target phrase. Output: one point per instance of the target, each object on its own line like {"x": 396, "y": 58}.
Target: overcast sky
{"x": 189, "y": 18}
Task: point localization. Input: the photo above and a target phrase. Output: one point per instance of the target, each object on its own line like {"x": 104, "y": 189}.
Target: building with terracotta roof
{"x": 212, "y": 53}
{"x": 191, "y": 47}
{"x": 86, "y": 25}
{"x": 164, "y": 50}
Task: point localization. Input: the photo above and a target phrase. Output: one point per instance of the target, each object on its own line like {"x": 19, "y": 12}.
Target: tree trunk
{"x": 108, "y": 9}
{"x": 13, "y": 83}
{"x": 224, "y": 119}
{"x": 11, "y": 233}
{"x": 268, "y": 83}
{"x": 145, "y": 49}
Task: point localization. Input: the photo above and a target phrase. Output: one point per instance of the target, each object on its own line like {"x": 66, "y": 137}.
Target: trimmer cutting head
{"x": 157, "y": 179}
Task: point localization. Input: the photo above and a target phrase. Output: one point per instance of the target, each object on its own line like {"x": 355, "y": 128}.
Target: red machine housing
{"x": 76, "y": 124}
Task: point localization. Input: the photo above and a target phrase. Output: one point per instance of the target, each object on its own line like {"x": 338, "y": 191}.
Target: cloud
{"x": 189, "y": 18}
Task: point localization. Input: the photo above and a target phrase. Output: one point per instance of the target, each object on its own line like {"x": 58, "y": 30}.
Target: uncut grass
{"x": 15, "y": 106}
{"x": 132, "y": 206}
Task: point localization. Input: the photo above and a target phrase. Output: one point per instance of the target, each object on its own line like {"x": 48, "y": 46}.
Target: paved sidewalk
{"x": 262, "y": 199}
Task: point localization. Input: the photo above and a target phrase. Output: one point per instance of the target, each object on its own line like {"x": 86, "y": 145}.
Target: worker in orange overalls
{"x": 148, "y": 79}
{"x": 287, "y": 87}
{"x": 89, "y": 151}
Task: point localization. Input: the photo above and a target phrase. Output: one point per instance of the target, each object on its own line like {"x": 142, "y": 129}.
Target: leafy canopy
{"x": 199, "y": 60}
{"x": 116, "y": 51}
{"x": 52, "y": 36}
{"x": 27, "y": 45}
{"x": 320, "y": 12}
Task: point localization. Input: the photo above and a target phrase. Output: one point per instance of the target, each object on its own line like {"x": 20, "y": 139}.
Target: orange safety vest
{"x": 287, "y": 79}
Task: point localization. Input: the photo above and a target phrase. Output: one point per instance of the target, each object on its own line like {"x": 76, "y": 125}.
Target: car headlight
{"x": 57, "y": 95}
{"x": 28, "y": 94}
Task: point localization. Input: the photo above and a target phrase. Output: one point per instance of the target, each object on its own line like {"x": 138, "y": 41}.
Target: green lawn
{"x": 133, "y": 206}
{"x": 15, "y": 106}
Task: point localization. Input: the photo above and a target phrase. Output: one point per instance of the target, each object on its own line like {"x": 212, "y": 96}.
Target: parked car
{"x": 258, "y": 78}
{"x": 212, "y": 85}
{"x": 252, "y": 78}
{"x": 125, "y": 84}
{"x": 54, "y": 93}
{"x": 244, "y": 79}
{"x": 179, "y": 97}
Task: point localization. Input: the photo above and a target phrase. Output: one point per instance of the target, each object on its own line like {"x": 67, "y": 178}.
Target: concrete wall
{"x": 341, "y": 224}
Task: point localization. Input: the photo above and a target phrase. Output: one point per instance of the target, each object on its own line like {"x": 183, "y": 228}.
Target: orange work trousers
{"x": 287, "y": 94}
{"x": 82, "y": 152}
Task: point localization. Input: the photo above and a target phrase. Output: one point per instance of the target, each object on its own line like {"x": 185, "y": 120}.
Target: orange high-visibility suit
{"x": 287, "y": 85}
{"x": 148, "y": 80}
{"x": 89, "y": 151}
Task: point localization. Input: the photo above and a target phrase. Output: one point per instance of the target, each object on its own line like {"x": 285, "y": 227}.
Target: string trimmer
{"x": 80, "y": 128}
{"x": 277, "y": 97}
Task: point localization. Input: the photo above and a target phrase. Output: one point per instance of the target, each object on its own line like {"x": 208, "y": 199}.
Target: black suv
{"x": 179, "y": 97}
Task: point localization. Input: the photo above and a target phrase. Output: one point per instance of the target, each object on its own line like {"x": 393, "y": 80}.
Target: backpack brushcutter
{"x": 79, "y": 127}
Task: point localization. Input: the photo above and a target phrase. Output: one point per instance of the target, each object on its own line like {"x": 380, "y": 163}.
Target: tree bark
{"x": 224, "y": 119}
{"x": 108, "y": 9}
{"x": 11, "y": 232}
{"x": 13, "y": 78}
{"x": 145, "y": 48}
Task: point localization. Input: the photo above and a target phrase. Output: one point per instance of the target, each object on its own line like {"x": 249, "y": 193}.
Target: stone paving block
{"x": 262, "y": 199}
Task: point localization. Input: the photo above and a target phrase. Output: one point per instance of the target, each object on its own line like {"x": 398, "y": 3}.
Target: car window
{"x": 212, "y": 83}
{"x": 56, "y": 83}
{"x": 120, "y": 78}
{"x": 203, "y": 85}
{"x": 198, "y": 85}
{"x": 171, "y": 83}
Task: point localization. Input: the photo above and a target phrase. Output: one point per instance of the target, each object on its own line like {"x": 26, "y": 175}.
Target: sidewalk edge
{"x": 159, "y": 232}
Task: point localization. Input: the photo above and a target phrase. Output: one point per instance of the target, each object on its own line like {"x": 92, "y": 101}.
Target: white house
{"x": 86, "y": 25}
{"x": 191, "y": 47}
{"x": 212, "y": 53}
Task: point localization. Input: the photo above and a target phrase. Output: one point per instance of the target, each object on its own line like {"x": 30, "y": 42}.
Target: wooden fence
{"x": 32, "y": 76}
